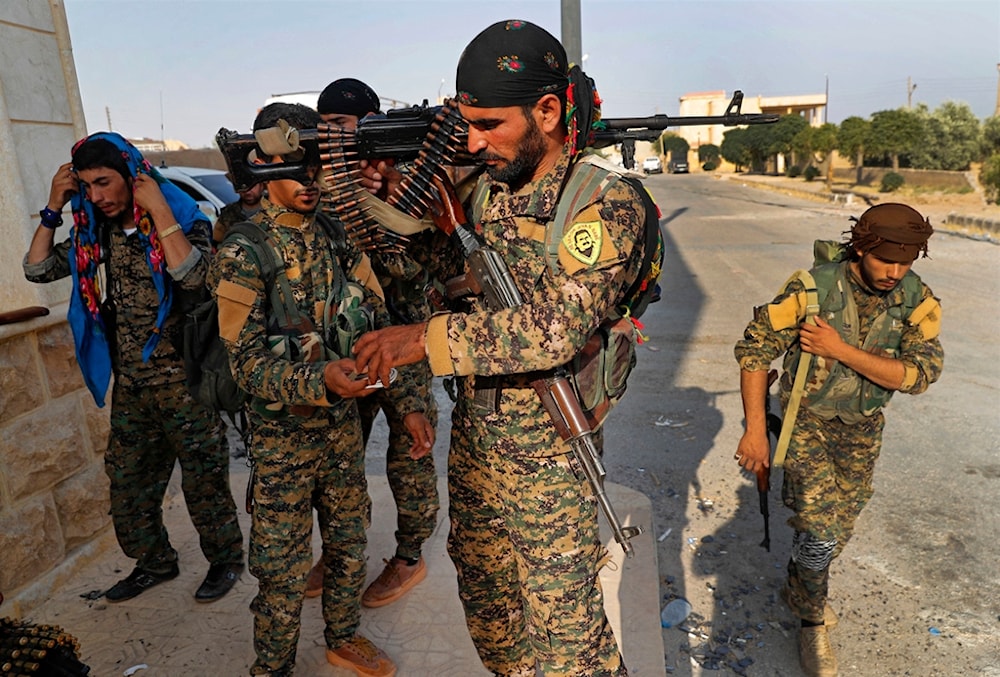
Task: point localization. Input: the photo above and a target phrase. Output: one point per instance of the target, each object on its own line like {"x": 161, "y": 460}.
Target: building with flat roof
{"x": 810, "y": 106}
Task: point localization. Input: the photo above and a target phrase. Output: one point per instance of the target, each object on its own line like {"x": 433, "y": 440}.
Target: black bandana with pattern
{"x": 511, "y": 63}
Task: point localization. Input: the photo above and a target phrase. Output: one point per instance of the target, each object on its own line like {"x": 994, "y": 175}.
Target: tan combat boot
{"x": 815, "y": 652}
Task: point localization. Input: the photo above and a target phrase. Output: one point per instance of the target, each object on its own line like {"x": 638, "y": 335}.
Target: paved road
{"x": 926, "y": 550}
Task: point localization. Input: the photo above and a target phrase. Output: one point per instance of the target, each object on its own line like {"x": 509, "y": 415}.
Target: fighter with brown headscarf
{"x": 867, "y": 327}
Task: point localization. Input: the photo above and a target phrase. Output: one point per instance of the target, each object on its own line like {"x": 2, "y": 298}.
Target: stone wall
{"x": 53, "y": 491}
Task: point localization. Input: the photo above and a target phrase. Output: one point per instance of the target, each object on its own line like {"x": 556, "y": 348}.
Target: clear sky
{"x": 192, "y": 66}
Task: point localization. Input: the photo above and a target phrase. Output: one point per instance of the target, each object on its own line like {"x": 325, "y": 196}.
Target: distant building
{"x": 155, "y": 146}
{"x": 810, "y": 106}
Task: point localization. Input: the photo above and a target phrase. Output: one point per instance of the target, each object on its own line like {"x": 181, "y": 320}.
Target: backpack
{"x": 206, "y": 360}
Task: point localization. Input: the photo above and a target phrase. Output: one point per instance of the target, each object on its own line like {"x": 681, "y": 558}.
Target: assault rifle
{"x": 403, "y": 134}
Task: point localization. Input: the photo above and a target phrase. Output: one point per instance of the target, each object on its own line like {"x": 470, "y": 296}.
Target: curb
{"x": 962, "y": 224}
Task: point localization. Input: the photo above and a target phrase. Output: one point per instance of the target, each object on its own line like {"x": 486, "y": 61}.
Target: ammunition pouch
{"x": 599, "y": 372}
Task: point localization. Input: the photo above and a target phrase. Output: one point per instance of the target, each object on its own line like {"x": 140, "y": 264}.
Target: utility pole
{"x": 571, "y": 40}
{"x": 997, "y": 111}
{"x": 826, "y": 100}
{"x": 107, "y": 112}
{"x": 910, "y": 86}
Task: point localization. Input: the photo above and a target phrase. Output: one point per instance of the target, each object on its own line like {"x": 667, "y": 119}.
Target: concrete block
{"x": 30, "y": 541}
{"x": 21, "y": 388}
{"x": 43, "y": 448}
{"x": 58, "y": 355}
{"x": 82, "y": 502}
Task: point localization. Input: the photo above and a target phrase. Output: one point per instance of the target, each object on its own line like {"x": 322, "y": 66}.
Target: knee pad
{"x": 811, "y": 553}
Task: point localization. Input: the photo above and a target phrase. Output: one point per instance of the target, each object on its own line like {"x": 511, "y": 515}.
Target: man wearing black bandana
{"x": 524, "y": 536}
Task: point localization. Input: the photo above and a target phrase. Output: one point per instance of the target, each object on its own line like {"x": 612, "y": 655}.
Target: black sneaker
{"x": 138, "y": 582}
{"x": 220, "y": 579}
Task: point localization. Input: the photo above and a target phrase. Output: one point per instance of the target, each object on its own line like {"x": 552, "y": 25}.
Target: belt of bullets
{"x": 343, "y": 195}
{"x": 446, "y": 138}
{"x": 27, "y": 649}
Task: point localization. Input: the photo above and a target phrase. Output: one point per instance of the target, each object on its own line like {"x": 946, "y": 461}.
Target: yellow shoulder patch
{"x": 585, "y": 242}
{"x": 927, "y": 316}
{"x": 235, "y": 303}
{"x": 788, "y": 313}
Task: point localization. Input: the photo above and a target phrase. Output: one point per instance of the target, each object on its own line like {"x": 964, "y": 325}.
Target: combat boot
{"x": 815, "y": 653}
{"x": 830, "y": 618}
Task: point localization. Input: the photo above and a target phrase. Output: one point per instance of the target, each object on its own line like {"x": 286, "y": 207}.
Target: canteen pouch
{"x": 601, "y": 369}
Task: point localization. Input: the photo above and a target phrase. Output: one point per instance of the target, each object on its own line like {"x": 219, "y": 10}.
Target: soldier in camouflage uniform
{"x": 876, "y": 333}
{"x": 524, "y": 535}
{"x": 155, "y": 244}
{"x": 306, "y": 444}
{"x": 242, "y": 210}
{"x": 413, "y": 481}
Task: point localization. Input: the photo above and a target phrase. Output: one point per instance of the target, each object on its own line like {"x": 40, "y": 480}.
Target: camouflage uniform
{"x": 524, "y": 535}
{"x": 830, "y": 460}
{"x": 229, "y": 215}
{"x": 302, "y": 459}
{"x": 413, "y": 481}
{"x": 154, "y": 419}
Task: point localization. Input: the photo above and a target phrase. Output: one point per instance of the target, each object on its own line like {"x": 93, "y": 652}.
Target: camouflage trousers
{"x": 827, "y": 483}
{"x": 301, "y": 464}
{"x": 525, "y": 543}
{"x": 413, "y": 481}
{"x": 151, "y": 429}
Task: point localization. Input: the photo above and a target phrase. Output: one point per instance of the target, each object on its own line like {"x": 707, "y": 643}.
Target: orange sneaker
{"x": 314, "y": 583}
{"x": 363, "y": 657}
{"x": 397, "y": 579}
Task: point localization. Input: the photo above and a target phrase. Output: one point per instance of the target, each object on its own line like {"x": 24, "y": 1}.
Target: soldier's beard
{"x": 519, "y": 170}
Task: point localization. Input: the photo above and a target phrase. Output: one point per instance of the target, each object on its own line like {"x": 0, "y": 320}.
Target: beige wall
{"x": 53, "y": 491}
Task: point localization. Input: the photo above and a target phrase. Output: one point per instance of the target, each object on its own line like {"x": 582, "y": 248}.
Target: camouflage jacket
{"x": 775, "y": 328}
{"x": 561, "y": 309}
{"x": 137, "y": 303}
{"x": 245, "y": 321}
{"x": 231, "y": 214}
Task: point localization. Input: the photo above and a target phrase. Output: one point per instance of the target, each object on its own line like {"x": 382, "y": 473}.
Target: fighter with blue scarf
{"x": 138, "y": 250}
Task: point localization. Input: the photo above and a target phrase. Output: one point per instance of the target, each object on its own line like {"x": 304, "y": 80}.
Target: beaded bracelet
{"x": 169, "y": 230}
{"x": 51, "y": 219}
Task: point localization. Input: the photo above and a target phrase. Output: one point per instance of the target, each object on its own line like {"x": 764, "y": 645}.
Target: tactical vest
{"x": 831, "y": 389}
{"x": 600, "y": 371}
{"x": 291, "y": 334}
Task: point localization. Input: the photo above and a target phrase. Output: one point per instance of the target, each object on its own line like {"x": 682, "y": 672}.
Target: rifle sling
{"x": 801, "y": 372}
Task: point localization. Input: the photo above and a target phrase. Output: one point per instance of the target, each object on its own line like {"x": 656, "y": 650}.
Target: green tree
{"x": 852, "y": 140}
{"x": 781, "y": 135}
{"x": 815, "y": 145}
{"x": 735, "y": 148}
{"x": 991, "y": 136}
{"x": 989, "y": 175}
{"x": 895, "y": 133}
{"x": 673, "y": 145}
{"x": 709, "y": 153}
{"x": 953, "y": 138}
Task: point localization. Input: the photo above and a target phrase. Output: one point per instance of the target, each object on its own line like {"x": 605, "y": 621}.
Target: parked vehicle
{"x": 679, "y": 167}
{"x": 209, "y": 187}
{"x": 652, "y": 165}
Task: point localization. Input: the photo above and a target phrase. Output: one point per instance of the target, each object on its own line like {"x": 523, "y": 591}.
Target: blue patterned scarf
{"x": 89, "y": 333}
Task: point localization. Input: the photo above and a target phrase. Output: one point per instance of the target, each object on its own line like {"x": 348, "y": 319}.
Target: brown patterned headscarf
{"x": 892, "y": 231}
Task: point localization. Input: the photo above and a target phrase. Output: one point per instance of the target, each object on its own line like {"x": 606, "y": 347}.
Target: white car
{"x": 209, "y": 187}
{"x": 652, "y": 165}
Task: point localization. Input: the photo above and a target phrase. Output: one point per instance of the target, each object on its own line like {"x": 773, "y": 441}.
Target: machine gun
{"x": 626, "y": 131}
{"x": 439, "y": 135}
